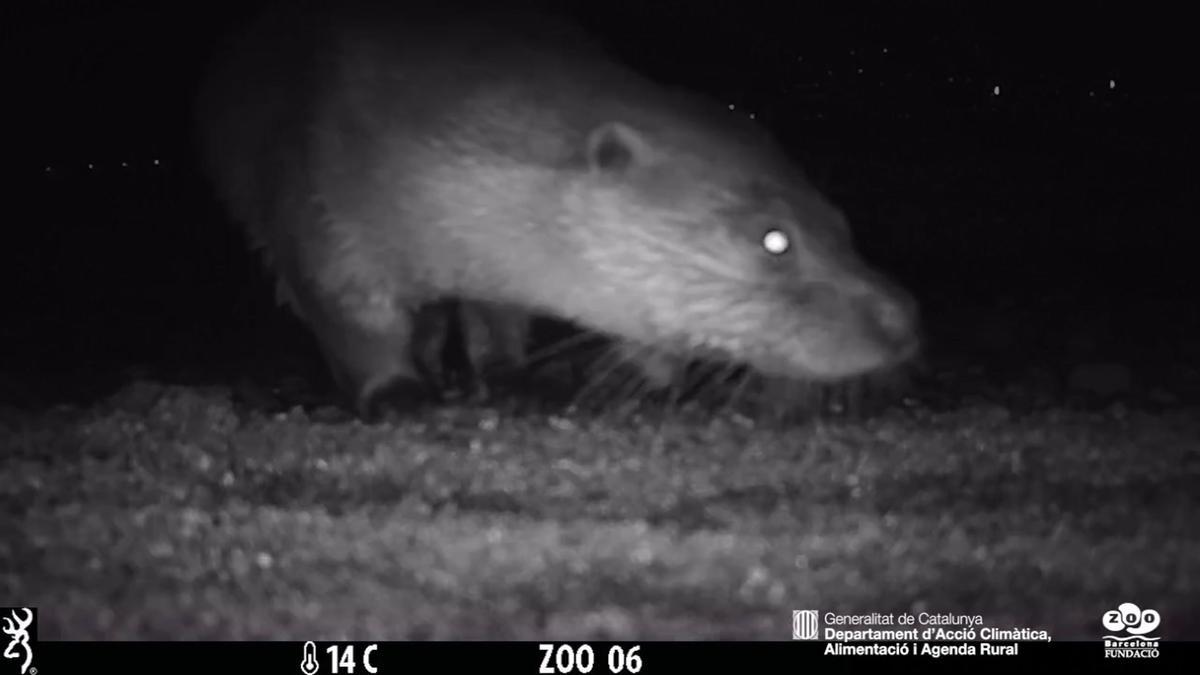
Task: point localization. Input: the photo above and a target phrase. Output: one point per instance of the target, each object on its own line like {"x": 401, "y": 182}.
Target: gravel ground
{"x": 172, "y": 513}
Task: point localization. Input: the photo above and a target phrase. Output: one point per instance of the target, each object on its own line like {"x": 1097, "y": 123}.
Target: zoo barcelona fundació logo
{"x": 20, "y": 626}
{"x": 1137, "y": 623}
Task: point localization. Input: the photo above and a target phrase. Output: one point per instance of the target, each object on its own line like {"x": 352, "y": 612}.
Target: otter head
{"x": 706, "y": 241}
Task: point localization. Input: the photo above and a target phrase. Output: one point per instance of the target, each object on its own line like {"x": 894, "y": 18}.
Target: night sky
{"x": 110, "y": 82}
{"x": 985, "y": 155}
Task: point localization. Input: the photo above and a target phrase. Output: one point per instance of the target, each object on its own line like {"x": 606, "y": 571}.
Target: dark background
{"x": 1047, "y": 227}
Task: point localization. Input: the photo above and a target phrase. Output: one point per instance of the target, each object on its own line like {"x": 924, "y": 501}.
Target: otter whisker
{"x": 558, "y": 347}
{"x": 743, "y": 378}
{"x": 600, "y": 375}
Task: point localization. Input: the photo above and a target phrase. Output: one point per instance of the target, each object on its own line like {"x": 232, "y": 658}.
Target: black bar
{"x": 653, "y": 658}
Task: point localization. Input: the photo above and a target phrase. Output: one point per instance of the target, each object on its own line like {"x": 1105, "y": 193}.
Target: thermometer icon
{"x": 309, "y": 665}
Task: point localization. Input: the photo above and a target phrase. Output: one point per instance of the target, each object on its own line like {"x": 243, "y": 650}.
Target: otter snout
{"x": 848, "y": 325}
{"x": 892, "y": 314}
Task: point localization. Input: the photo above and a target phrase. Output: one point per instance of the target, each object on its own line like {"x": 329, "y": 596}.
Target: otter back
{"x": 385, "y": 162}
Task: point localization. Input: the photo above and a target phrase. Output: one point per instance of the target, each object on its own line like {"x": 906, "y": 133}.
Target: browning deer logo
{"x": 17, "y": 629}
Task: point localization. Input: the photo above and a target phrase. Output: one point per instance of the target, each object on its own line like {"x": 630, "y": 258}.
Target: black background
{"x": 526, "y": 657}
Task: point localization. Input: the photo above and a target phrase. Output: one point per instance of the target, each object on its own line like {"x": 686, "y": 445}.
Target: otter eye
{"x": 776, "y": 241}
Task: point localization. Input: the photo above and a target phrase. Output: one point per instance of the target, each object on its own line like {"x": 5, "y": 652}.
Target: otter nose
{"x": 894, "y": 313}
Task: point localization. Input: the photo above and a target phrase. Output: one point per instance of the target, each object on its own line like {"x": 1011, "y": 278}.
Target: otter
{"x": 388, "y": 162}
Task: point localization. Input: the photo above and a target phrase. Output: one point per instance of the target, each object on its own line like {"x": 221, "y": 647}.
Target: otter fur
{"x": 386, "y": 161}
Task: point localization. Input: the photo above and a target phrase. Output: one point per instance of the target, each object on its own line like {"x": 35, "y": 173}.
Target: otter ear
{"x": 615, "y": 147}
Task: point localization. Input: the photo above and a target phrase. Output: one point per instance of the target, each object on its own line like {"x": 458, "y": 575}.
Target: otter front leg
{"x": 435, "y": 337}
{"x": 367, "y": 343}
{"x": 495, "y": 340}
{"x": 496, "y": 335}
